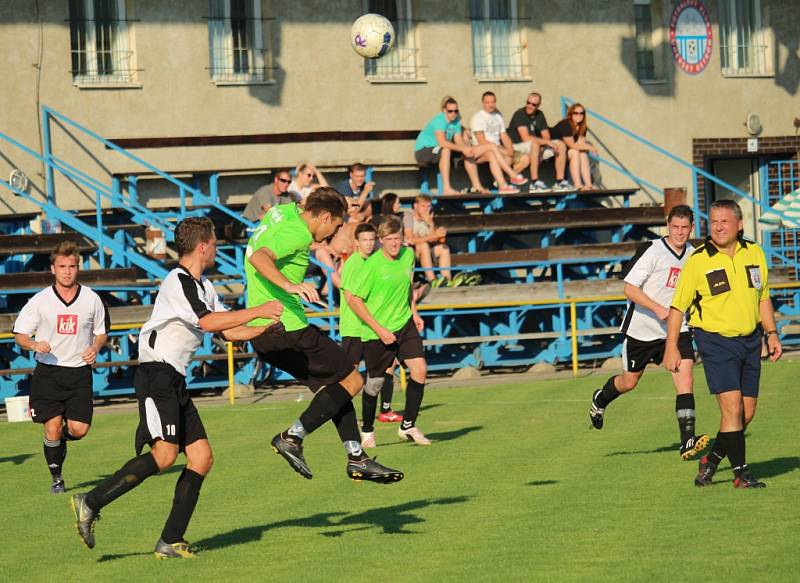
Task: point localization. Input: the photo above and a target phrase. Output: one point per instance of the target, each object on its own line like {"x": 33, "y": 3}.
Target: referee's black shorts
{"x": 731, "y": 363}
{"x": 307, "y": 354}
{"x": 61, "y": 390}
{"x": 166, "y": 410}
{"x": 379, "y": 356}
{"x": 637, "y": 354}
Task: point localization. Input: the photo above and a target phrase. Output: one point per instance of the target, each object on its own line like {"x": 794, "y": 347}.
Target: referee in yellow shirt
{"x": 724, "y": 288}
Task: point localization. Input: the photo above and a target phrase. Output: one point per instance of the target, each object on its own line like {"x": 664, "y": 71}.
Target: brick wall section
{"x": 703, "y": 148}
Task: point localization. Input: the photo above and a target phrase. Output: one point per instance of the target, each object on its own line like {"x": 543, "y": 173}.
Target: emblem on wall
{"x": 690, "y": 36}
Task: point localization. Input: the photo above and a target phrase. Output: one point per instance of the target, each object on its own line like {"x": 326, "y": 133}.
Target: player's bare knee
{"x": 165, "y": 454}
{"x": 78, "y": 431}
{"x": 201, "y": 464}
{"x": 353, "y": 383}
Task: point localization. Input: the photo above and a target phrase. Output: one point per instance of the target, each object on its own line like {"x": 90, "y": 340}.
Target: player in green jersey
{"x": 384, "y": 301}
{"x": 276, "y": 264}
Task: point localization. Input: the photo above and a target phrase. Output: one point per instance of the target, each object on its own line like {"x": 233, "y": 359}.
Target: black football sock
{"x": 736, "y": 451}
{"x": 387, "y": 392}
{"x": 326, "y": 403}
{"x": 684, "y": 411}
{"x": 414, "y": 394}
{"x": 608, "y": 394}
{"x": 346, "y": 423}
{"x": 720, "y": 449}
{"x": 368, "y": 405}
{"x": 187, "y": 491}
{"x": 55, "y": 451}
{"x": 133, "y": 473}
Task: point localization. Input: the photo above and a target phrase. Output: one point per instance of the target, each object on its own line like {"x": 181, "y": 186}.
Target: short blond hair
{"x": 65, "y": 249}
{"x": 389, "y": 226}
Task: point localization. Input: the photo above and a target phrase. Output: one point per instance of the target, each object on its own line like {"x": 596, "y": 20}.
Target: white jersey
{"x": 491, "y": 124}
{"x": 655, "y": 269}
{"x": 173, "y": 333}
{"x": 68, "y": 327}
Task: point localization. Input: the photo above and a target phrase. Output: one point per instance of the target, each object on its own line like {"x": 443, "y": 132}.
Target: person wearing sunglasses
{"x": 530, "y": 135}
{"x": 303, "y": 183}
{"x": 439, "y": 139}
{"x": 572, "y": 131}
{"x": 270, "y": 195}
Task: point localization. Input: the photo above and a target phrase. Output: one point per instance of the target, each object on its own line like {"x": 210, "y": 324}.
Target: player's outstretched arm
{"x": 244, "y": 333}
{"x": 221, "y": 321}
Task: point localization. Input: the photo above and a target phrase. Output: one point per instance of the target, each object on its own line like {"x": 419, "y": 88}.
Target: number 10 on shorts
{"x": 169, "y": 429}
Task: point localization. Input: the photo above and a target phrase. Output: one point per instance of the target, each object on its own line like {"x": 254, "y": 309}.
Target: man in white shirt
{"x": 491, "y": 144}
{"x": 66, "y": 325}
{"x": 650, "y": 279}
{"x": 185, "y": 309}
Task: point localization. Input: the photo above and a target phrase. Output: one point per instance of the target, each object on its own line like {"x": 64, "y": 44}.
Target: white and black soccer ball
{"x": 372, "y": 36}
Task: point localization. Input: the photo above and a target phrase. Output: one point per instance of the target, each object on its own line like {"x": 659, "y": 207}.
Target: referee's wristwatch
{"x": 770, "y": 333}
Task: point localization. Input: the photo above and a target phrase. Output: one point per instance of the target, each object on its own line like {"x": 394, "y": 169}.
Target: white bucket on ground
{"x": 18, "y": 409}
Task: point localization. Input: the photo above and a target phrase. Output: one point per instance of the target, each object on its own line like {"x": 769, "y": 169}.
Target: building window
{"x": 236, "y": 32}
{"x": 99, "y": 42}
{"x": 497, "y": 45}
{"x": 401, "y": 63}
{"x": 645, "y": 57}
{"x": 743, "y": 39}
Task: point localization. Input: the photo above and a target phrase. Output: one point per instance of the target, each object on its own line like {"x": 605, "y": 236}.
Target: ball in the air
{"x": 372, "y": 36}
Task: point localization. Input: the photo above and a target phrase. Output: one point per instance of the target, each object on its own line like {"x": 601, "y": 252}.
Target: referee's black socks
{"x": 326, "y": 403}
{"x": 133, "y": 473}
{"x": 608, "y": 394}
{"x": 684, "y": 411}
{"x": 414, "y": 394}
{"x": 187, "y": 491}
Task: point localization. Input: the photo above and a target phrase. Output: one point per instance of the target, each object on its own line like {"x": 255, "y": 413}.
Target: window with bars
{"x": 99, "y": 42}
{"x": 645, "y": 56}
{"x": 743, "y": 39}
{"x": 497, "y": 44}
{"x": 401, "y": 63}
{"x": 238, "y": 51}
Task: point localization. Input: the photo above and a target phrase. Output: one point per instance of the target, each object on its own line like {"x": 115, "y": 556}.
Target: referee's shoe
{"x": 364, "y": 467}
{"x": 85, "y": 519}
{"x": 291, "y": 449}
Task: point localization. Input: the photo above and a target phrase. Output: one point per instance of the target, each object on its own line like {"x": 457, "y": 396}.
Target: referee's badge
{"x": 754, "y": 272}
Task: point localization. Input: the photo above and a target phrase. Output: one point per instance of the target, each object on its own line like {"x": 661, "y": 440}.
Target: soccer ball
{"x": 372, "y": 36}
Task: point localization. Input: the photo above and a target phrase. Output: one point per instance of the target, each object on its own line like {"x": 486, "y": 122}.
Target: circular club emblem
{"x": 690, "y": 36}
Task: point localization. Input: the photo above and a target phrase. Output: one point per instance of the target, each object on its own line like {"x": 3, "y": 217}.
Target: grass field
{"x": 515, "y": 487}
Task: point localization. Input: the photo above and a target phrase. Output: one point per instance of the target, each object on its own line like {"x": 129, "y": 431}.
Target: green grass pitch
{"x": 516, "y": 487}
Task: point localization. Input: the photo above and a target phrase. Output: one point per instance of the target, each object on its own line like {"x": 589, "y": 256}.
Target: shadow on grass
{"x": 666, "y": 448}
{"x": 430, "y": 406}
{"x": 455, "y": 434}
{"x": 106, "y": 558}
{"x": 542, "y": 483}
{"x": 389, "y": 519}
{"x": 17, "y": 460}
{"x": 775, "y": 467}
{"x": 99, "y": 479}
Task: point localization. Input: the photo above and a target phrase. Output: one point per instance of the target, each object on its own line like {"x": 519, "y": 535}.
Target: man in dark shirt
{"x": 530, "y": 135}
{"x": 357, "y": 191}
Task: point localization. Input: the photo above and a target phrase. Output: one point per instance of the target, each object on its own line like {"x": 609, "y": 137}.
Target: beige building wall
{"x": 584, "y": 50}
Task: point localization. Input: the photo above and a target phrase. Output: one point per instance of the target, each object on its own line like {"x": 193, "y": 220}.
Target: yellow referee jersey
{"x": 721, "y": 293}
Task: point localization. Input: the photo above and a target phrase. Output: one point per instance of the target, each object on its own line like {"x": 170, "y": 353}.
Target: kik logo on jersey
{"x": 672, "y": 277}
{"x": 67, "y": 324}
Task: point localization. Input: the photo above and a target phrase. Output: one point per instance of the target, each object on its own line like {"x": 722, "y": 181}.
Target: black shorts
{"x": 731, "y": 363}
{"x": 637, "y": 354}
{"x": 354, "y": 347}
{"x": 166, "y": 410}
{"x": 61, "y": 390}
{"x": 307, "y": 354}
{"x": 427, "y": 156}
{"x": 379, "y": 356}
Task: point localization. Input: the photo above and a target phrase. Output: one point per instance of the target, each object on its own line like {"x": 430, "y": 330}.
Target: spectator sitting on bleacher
{"x": 492, "y": 144}
{"x": 572, "y": 131}
{"x": 439, "y": 139}
{"x": 270, "y": 195}
{"x": 428, "y": 240}
{"x": 303, "y": 182}
{"x": 390, "y": 207}
{"x": 357, "y": 191}
{"x": 530, "y": 135}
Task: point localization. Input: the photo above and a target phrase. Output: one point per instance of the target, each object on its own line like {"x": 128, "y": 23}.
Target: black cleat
{"x": 595, "y": 412}
{"x": 58, "y": 486}
{"x": 178, "y": 550}
{"x": 85, "y": 519}
{"x": 747, "y": 480}
{"x": 694, "y": 445}
{"x": 369, "y": 469}
{"x": 706, "y": 471}
{"x": 291, "y": 449}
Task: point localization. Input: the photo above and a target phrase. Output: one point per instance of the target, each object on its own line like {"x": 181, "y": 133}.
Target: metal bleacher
{"x": 548, "y": 260}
